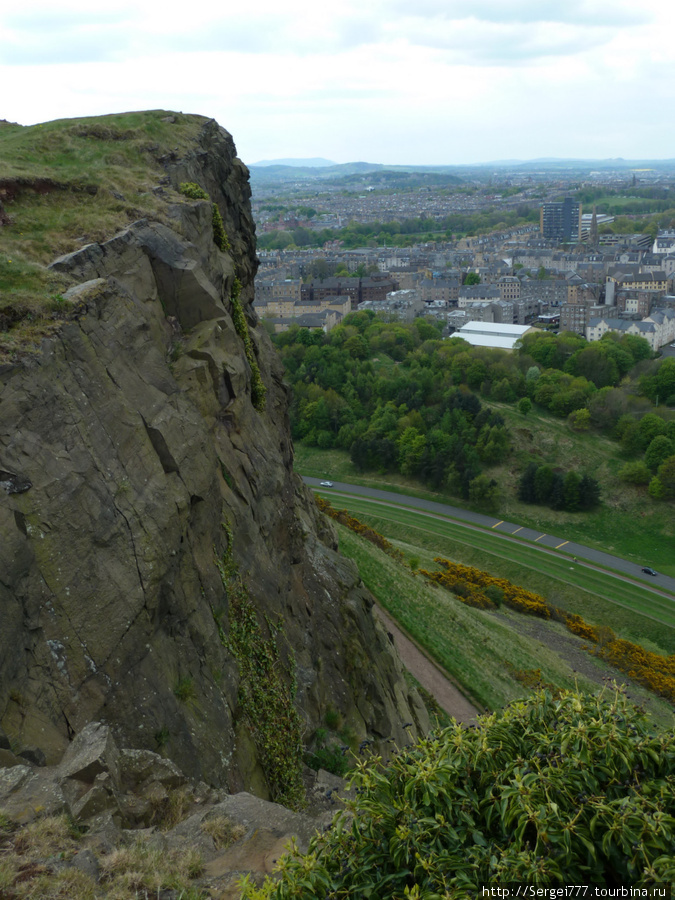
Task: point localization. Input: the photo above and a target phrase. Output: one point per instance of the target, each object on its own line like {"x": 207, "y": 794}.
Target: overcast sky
{"x": 390, "y": 81}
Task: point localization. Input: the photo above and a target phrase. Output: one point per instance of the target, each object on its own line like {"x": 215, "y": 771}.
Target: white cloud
{"x": 437, "y": 81}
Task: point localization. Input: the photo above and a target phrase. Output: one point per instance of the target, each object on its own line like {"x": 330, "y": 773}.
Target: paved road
{"x": 509, "y": 531}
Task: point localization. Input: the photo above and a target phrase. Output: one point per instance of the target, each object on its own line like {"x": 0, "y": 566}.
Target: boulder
{"x": 27, "y": 794}
{"x": 92, "y": 752}
{"x": 138, "y": 767}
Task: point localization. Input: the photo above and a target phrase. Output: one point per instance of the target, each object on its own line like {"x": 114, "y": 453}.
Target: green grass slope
{"x": 67, "y": 183}
{"x": 484, "y": 651}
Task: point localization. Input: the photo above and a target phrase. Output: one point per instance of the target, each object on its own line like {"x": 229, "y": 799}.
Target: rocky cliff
{"x": 132, "y": 459}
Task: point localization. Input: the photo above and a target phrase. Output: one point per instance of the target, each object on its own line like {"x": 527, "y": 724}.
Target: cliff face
{"x": 124, "y": 447}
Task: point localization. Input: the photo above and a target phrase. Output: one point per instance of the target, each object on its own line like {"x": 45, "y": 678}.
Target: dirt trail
{"x": 429, "y": 675}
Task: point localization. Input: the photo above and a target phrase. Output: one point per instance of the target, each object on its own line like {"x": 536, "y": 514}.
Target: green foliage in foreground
{"x": 564, "y": 789}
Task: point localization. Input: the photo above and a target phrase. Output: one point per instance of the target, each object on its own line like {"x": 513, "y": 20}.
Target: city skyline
{"x": 440, "y": 84}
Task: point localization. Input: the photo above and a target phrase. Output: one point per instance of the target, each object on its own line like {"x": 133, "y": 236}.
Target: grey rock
{"x": 100, "y": 797}
{"x": 104, "y": 833}
{"x": 9, "y": 759}
{"x": 190, "y": 833}
{"x": 91, "y": 752}
{"x": 87, "y": 863}
{"x": 27, "y": 794}
{"x": 140, "y": 766}
{"x": 109, "y": 585}
{"x": 14, "y": 484}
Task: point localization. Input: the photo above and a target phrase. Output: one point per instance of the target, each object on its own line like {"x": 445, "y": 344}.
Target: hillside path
{"x": 430, "y": 676}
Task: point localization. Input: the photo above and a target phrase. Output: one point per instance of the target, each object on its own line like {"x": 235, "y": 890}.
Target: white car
{"x": 326, "y": 484}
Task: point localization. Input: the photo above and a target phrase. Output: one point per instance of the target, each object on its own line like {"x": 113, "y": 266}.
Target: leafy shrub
{"x": 267, "y": 687}
{"x": 343, "y": 517}
{"x": 258, "y": 389}
{"x": 475, "y": 588}
{"x": 220, "y": 238}
{"x": 193, "y": 191}
{"x": 328, "y": 754}
{"x": 565, "y": 789}
{"x": 184, "y": 689}
{"x": 635, "y": 473}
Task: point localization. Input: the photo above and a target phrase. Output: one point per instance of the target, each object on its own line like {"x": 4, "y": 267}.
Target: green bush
{"x": 193, "y": 191}
{"x": 328, "y": 754}
{"x": 220, "y": 238}
{"x": 564, "y": 789}
{"x": 635, "y": 473}
{"x": 258, "y": 389}
{"x": 267, "y": 686}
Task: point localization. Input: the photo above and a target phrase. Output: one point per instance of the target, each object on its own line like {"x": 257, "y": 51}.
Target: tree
{"x": 635, "y": 473}
{"x": 658, "y": 451}
{"x": 484, "y": 491}
{"x": 571, "y": 491}
{"x": 556, "y": 499}
{"x": 589, "y": 492}
{"x": 666, "y": 476}
{"x": 472, "y": 278}
{"x": 580, "y": 419}
{"x": 526, "y": 489}
{"x": 562, "y": 788}
{"x": 525, "y": 405}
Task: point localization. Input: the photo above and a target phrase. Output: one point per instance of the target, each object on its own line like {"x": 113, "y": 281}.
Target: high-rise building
{"x": 561, "y": 221}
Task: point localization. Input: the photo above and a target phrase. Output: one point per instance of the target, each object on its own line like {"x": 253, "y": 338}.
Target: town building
{"x": 561, "y": 221}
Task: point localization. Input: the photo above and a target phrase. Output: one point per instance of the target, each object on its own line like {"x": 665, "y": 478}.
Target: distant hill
{"x": 352, "y": 173}
{"x": 314, "y": 162}
{"x": 556, "y": 163}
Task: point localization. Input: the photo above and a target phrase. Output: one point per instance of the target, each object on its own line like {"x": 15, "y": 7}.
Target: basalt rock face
{"x": 123, "y": 448}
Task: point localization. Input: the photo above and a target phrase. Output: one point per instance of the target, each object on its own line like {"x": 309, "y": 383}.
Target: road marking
{"x": 561, "y": 545}
{"x": 518, "y": 529}
{"x": 540, "y": 537}
{"x": 498, "y": 523}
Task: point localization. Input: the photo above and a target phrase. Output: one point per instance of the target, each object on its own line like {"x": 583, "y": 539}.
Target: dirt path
{"x": 429, "y": 675}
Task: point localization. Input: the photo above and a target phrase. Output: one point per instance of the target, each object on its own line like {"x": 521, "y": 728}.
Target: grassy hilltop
{"x": 67, "y": 183}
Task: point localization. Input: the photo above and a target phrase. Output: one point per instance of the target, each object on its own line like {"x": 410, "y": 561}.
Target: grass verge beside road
{"x": 633, "y": 611}
{"x": 627, "y": 523}
{"x": 482, "y": 651}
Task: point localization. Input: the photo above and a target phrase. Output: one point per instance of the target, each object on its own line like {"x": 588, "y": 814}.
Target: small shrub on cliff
{"x": 258, "y": 389}
{"x": 266, "y": 688}
{"x": 184, "y": 689}
{"x": 192, "y": 191}
{"x": 195, "y": 192}
{"x": 565, "y": 789}
{"x": 220, "y": 238}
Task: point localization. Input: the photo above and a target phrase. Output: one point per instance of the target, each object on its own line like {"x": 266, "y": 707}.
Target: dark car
{"x": 649, "y": 571}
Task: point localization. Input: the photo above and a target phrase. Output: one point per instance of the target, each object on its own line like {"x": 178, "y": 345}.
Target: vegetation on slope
{"x": 563, "y": 788}
{"x": 461, "y": 639}
{"x": 65, "y": 184}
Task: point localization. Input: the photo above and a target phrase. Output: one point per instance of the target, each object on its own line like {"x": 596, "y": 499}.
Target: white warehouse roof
{"x": 492, "y": 334}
